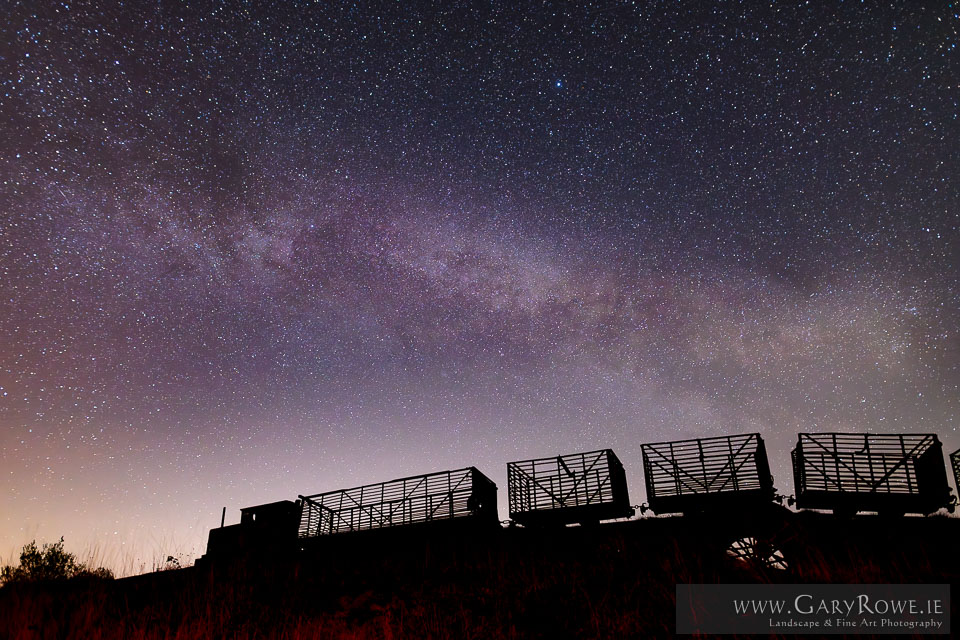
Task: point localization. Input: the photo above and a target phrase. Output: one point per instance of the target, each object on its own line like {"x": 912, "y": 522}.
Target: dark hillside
{"x": 610, "y": 580}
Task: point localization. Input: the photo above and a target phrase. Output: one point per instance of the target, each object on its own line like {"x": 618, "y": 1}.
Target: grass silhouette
{"x": 610, "y": 580}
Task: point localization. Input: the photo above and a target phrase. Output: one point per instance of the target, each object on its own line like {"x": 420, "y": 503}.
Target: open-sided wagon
{"x": 891, "y": 474}
{"x": 578, "y": 487}
{"x": 707, "y": 474}
{"x": 429, "y": 498}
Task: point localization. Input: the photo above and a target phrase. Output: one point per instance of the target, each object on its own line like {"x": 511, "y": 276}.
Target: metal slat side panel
{"x": 860, "y": 463}
{"x": 436, "y": 496}
{"x": 704, "y": 466}
{"x": 562, "y": 482}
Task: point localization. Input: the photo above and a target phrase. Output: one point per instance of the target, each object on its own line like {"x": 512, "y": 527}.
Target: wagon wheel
{"x": 764, "y": 538}
{"x": 758, "y": 552}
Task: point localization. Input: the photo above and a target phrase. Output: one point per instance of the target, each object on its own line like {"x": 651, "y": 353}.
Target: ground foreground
{"x": 603, "y": 581}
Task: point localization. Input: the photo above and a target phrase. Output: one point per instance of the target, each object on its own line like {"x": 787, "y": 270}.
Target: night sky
{"x": 253, "y": 250}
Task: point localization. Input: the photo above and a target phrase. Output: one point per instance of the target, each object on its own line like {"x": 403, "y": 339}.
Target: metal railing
{"x": 573, "y": 480}
{"x": 706, "y": 466}
{"x": 860, "y": 463}
{"x": 443, "y": 495}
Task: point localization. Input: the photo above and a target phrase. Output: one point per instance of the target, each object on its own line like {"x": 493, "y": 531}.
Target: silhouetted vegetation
{"x": 609, "y": 581}
{"x": 49, "y": 563}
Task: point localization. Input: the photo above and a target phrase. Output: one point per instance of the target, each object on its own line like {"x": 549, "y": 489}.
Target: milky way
{"x": 250, "y": 251}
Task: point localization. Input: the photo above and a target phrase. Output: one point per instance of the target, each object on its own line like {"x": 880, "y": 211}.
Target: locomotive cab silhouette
{"x": 270, "y": 528}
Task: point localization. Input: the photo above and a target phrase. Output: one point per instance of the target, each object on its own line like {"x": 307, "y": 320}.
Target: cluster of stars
{"x": 248, "y": 251}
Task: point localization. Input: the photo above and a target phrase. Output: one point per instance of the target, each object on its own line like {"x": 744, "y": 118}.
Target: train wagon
{"x": 706, "y": 474}
{"x": 887, "y": 473}
{"x": 579, "y": 487}
{"x": 428, "y": 498}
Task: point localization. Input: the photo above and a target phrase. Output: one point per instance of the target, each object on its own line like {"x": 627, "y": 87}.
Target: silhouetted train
{"x": 846, "y": 473}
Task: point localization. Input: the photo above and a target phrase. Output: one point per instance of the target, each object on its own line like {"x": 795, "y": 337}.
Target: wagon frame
{"x": 891, "y": 474}
{"x": 573, "y": 488}
{"x": 421, "y": 499}
{"x": 707, "y": 474}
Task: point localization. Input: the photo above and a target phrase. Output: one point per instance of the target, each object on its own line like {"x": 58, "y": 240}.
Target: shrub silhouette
{"x": 50, "y": 563}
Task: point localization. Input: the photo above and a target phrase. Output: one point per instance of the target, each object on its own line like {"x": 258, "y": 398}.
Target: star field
{"x": 250, "y": 250}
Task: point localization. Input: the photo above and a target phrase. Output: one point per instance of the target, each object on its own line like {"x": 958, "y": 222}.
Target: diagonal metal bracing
{"x": 834, "y": 455}
{"x": 396, "y": 502}
{"x": 679, "y": 473}
{"x": 579, "y": 477}
{"x": 674, "y": 473}
{"x": 729, "y": 462}
{"x": 568, "y": 488}
{"x": 604, "y": 482}
{"x": 903, "y": 460}
{"x": 823, "y": 473}
{"x": 839, "y": 458}
{"x": 549, "y": 492}
{"x": 733, "y": 473}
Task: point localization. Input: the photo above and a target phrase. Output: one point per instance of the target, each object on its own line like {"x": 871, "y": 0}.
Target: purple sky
{"x": 251, "y": 252}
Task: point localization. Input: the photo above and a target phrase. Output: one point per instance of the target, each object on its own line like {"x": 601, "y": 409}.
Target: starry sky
{"x": 250, "y": 250}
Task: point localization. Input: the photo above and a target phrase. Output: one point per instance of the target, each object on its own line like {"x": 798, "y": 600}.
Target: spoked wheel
{"x": 766, "y": 540}
{"x": 762, "y": 553}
